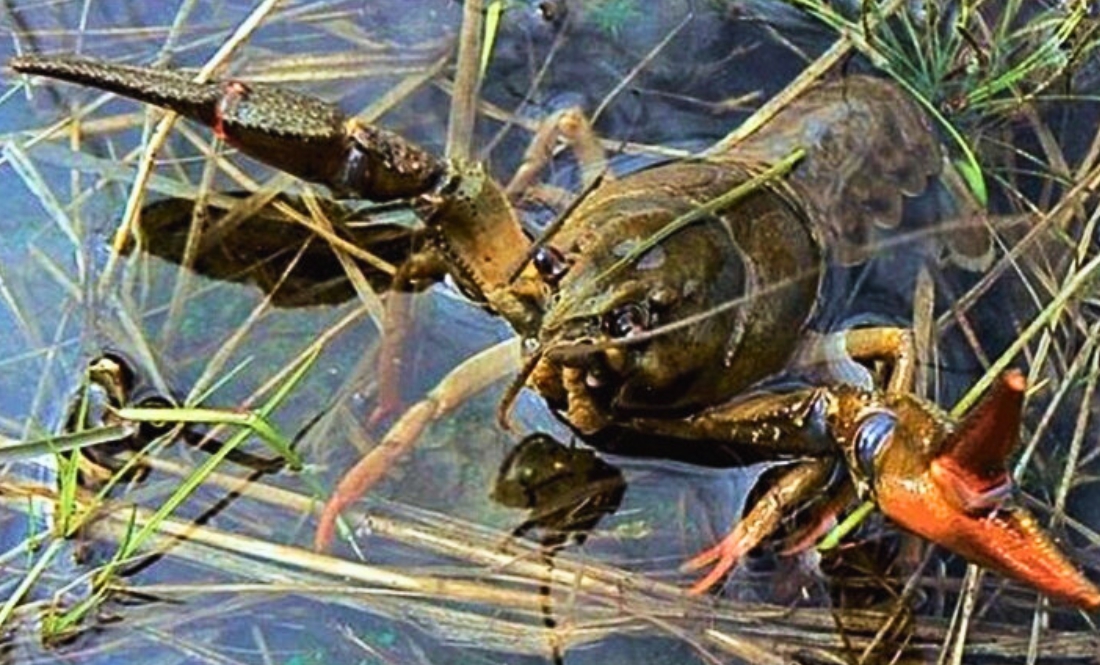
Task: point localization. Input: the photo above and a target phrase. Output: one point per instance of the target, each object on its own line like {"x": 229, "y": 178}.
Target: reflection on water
{"x": 220, "y": 332}
{"x": 269, "y": 249}
{"x": 567, "y": 490}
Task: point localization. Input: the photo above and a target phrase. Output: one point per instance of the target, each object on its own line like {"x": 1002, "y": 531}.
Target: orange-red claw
{"x": 957, "y": 499}
{"x": 971, "y": 469}
{"x": 976, "y": 454}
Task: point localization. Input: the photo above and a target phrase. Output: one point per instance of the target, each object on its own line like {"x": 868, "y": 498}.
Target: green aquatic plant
{"x": 610, "y": 16}
{"x": 969, "y": 67}
{"x": 963, "y": 61}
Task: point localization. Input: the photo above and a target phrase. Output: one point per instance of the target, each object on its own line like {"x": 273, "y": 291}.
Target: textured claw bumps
{"x": 955, "y": 493}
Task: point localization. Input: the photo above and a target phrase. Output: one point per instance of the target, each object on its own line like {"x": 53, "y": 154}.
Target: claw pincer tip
{"x": 957, "y": 494}
{"x": 164, "y": 88}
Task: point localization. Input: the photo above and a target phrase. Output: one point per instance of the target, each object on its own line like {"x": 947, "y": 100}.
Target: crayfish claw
{"x": 989, "y": 432}
{"x": 971, "y": 467}
{"x": 964, "y": 492}
{"x": 950, "y": 485}
{"x": 296, "y": 133}
{"x": 167, "y": 89}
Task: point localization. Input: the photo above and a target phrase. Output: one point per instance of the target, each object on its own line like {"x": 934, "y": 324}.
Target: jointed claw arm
{"x": 474, "y": 225}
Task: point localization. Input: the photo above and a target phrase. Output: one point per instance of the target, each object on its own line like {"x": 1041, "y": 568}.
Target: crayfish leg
{"x": 794, "y": 487}
{"x": 895, "y": 346}
{"x": 398, "y": 319}
{"x": 571, "y": 126}
{"x": 423, "y": 267}
{"x": 823, "y": 517}
{"x": 469, "y": 378}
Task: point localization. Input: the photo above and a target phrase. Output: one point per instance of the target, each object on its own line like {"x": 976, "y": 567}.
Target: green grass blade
{"x": 18, "y": 451}
{"x": 492, "y": 27}
{"x": 838, "y": 532}
{"x": 32, "y": 576}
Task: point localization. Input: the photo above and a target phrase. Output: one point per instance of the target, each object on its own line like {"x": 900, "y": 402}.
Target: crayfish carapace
{"x": 665, "y": 297}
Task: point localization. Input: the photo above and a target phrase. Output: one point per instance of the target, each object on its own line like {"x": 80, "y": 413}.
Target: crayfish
{"x": 660, "y": 302}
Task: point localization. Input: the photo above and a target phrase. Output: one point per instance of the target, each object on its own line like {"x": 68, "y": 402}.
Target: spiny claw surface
{"x": 953, "y": 493}
{"x": 296, "y": 133}
{"x": 160, "y": 87}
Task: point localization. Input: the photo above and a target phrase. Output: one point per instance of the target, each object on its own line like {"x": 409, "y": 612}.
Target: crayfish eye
{"x": 876, "y": 430}
{"x": 626, "y": 320}
{"x": 551, "y": 265}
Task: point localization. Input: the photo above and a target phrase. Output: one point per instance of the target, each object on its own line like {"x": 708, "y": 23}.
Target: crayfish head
{"x": 636, "y": 328}
{"x": 948, "y": 483}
